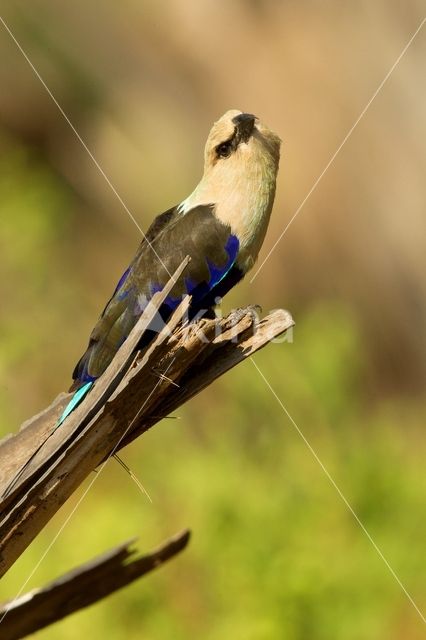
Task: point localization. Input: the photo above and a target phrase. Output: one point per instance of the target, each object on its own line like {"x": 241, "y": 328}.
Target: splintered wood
{"x": 41, "y": 466}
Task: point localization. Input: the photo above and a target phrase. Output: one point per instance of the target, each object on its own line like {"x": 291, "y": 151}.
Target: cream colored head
{"x": 241, "y": 159}
{"x": 249, "y": 141}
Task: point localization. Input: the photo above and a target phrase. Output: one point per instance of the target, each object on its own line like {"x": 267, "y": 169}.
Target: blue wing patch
{"x": 217, "y": 274}
{"x": 200, "y": 289}
{"x": 120, "y": 283}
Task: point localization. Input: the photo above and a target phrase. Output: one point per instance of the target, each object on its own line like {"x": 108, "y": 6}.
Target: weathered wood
{"x": 134, "y": 393}
{"x": 42, "y": 427}
{"x": 82, "y": 587}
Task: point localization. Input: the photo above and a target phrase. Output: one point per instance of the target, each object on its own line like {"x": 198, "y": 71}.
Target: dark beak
{"x": 244, "y": 125}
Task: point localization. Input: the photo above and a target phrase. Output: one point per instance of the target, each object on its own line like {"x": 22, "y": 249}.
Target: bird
{"x": 221, "y": 225}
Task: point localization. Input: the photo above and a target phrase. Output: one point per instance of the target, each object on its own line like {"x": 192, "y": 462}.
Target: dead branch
{"x": 83, "y": 586}
{"x": 41, "y": 466}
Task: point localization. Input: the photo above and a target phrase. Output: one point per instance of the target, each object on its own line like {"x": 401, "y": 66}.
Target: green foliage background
{"x": 275, "y": 553}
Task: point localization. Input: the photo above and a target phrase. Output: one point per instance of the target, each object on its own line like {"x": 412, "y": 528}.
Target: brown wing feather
{"x": 197, "y": 233}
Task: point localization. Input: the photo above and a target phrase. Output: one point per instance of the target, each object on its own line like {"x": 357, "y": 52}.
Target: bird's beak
{"x": 244, "y": 125}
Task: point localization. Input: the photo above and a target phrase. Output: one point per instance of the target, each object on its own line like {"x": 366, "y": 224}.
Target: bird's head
{"x": 241, "y": 160}
{"x": 239, "y": 141}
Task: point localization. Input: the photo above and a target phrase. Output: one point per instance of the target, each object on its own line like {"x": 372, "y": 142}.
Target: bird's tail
{"x": 75, "y": 401}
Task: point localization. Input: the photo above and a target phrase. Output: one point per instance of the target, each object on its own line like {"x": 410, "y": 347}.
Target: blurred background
{"x": 275, "y": 552}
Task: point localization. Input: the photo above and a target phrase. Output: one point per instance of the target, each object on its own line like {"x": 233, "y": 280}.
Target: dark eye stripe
{"x": 224, "y": 149}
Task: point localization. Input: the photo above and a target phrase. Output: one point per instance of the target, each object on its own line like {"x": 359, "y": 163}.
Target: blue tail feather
{"x": 74, "y": 402}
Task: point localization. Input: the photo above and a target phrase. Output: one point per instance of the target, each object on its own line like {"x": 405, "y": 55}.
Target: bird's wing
{"x": 158, "y": 224}
{"x": 201, "y": 235}
{"x": 213, "y": 250}
{"x": 115, "y": 318}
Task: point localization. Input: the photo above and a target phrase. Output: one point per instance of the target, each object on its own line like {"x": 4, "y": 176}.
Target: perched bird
{"x": 221, "y": 226}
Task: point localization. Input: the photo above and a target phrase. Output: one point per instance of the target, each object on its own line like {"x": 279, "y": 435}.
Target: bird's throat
{"x": 243, "y": 200}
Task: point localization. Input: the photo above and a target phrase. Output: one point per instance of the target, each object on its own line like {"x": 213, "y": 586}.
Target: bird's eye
{"x": 223, "y": 150}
